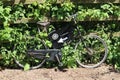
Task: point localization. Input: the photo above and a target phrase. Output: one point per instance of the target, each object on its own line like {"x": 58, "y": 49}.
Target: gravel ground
{"x": 100, "y": 73}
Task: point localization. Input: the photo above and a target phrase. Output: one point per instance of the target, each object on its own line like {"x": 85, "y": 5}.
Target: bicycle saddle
{"x": 44, "y": 24}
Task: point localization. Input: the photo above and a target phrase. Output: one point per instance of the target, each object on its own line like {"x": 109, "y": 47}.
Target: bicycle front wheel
{"x": 91, "y": 51}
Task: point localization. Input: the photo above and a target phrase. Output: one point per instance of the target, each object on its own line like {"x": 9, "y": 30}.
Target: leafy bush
{"x": 11, "y": 35}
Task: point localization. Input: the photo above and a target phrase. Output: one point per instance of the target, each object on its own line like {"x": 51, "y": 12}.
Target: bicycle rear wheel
{"x": 24, "y": 53}
{"x": 91, "y": 51}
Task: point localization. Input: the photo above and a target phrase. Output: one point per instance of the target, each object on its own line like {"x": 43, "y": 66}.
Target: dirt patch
{"x": 100, "y": 73}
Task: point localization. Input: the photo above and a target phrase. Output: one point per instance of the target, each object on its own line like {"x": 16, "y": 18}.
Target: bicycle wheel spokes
{"x": 92, "y": 51}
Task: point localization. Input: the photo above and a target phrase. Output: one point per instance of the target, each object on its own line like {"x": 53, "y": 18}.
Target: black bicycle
{"x": 91, "y": 50}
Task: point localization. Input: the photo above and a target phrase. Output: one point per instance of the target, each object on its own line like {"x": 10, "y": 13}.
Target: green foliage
{"x": 6, "y": 56}
{"x": 38, "y": 11}
{"x": 12, "y": 35}
{"x": 57, "y": 12}
{"x": 69, "y": 56}
{"x": 5, "y": 14}
{"x": 110, "y": 32}
{"x": 114, "y": 55}
{"x": 104, "y": 12}
{"x": 5, "y": 34}
{"x": 27, "y": 67}
{"x": 18, "y": 12}
{"x": 111, "y": 9}
{"x": 61, "y": 12}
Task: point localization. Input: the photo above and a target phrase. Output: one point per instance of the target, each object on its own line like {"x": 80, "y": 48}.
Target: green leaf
{"x": 34, "y": 3}
{"x": 7, "y": 9}
{"x": 45, "y": 34}
{"x": 26, "y": 67}
{"x": 48, "y": 43}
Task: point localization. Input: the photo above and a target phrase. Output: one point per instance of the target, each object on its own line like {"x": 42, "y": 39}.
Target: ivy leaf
{"x": 26, "y": 67}
{"x": 6, "y": 24}
{"x": 34, "y": 3}
{"x": 1, "y": 9}
{"x": 7, "y": 9}
{"x": 48, "y": 43}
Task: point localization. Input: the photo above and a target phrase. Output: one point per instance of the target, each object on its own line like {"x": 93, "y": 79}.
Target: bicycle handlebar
{"x": 73, "y": 16}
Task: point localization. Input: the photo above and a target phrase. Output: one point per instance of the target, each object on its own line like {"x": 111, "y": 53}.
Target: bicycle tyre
{"x": 28, "y": 59}
{"x": 89, "y": 49}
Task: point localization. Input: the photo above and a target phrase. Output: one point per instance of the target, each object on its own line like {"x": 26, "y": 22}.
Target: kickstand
{"x": 60, "y": 66}
{"x": 60, "y": 63}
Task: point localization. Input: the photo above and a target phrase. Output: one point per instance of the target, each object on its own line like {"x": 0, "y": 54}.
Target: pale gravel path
{"x": 100, "y": 73}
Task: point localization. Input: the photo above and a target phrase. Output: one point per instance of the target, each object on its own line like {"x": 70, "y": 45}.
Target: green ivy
{"x": 11, "y": 35}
